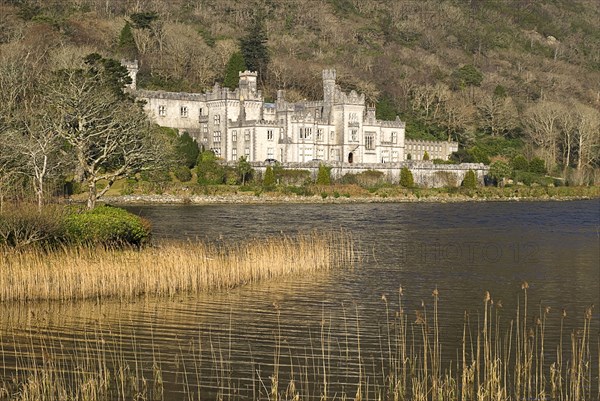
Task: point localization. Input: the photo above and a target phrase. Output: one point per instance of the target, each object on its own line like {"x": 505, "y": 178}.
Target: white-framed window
{"x": 217, "y": 119}
{"x": 270, "y": 135}
{"x": 353, "y": 117}
{"x": 217, "y": 136}
{"x": 320, "y": 153}
{"x": 395, "y": 157}
{"x": 334, "y": 155}
{"x": 394, "y": 137}
{"x": 319, "y": 134}
{"x": 246, "y": 134}
{"x": 369, "y": 141}
{"x": 234, "y": 154}
{"x": 216, "y": 151}
{"x": 162, "y": 111}
{"x": 385, "y": 156}
{"x": 270, "y": 153}
{"x": 354, "y": 135}
{"x": 234, "y": 135}
{"x": 183, "y": 111}
{"x": 305, "y": 133}
{"x": 205, "y": 129}
{"x": 247, "y": 153}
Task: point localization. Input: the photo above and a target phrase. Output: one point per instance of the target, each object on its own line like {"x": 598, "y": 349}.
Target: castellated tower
{"x": 328, "y": 85}
{"x": 132, "y": 69}
{"x": 248, "y": 84}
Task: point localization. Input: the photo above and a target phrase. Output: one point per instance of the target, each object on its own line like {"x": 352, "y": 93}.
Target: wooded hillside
{"x": 504, "y": 78}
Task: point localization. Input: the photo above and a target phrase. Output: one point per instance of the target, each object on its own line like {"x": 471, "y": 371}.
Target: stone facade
{"x": 234, "y": 123}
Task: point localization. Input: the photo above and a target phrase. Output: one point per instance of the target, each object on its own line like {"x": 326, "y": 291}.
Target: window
{"x": 270, "y": 153}
{"x": 247, "y": 153}
{"x": 205, "y": 128}
{"x": 320, "y": 134}
{"x": 320, "y": 153}
{"x": 200, "y": 112}
{"x": 234, "y": 136}
{"x": 246, "y": 134}
{"x": 385, "y": 156}
{"x": 394, "y": 138}
{"x": 395, "y": 157}
{"x": 270, "y": 135}
{"x": 216, "y": 151}
{"x": 305, "y": 133}
{"x": 183, "y": 111}
{"x": 369, "y": 141}
{"x": 353, "y": 117}
{"x": 354, "y": 135}
{"x": 162, "y": 111}
{"x": 217, "y": 136}
{"x": 217, "y": 119}
{"x": 332, "y": 135}
{"x": 334, "y": 155}
{"x": 234, "y": 154}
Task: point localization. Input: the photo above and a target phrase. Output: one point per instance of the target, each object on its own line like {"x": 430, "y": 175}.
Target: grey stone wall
{"x": 425, "y": 173}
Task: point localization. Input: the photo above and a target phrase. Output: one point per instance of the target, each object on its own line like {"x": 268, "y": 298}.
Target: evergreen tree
{"x": 499, "y": 171}
{"x": 470, "y": 180}
{"x": 186, "y": 150}
{"x": 254, "y": 49}
{"x": 127, "y": 47}
{"x": 234, "y": 66}
{"x": 406, "y": 178}
{"x": 208, "y": 170}
{"x": 385, "y": 109}
{"x": 269, "y": 178}
{"x": 426, "y": 155}
{"x": 324, "y": 175}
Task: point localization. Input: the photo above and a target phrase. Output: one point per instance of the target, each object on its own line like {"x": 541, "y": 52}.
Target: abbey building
{"x": 236, "y": 123}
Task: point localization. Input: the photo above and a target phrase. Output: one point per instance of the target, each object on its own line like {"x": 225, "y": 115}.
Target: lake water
{"x": 315, "y": 326}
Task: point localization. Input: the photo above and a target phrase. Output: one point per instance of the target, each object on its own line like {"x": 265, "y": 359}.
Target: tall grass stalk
{"x": 166, "y": 269}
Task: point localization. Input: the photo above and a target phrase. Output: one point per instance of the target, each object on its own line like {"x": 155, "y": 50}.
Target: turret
{"x": 248, "y": 84}
{"x": 328, "y": 85}
{"x": 132, "y": 69}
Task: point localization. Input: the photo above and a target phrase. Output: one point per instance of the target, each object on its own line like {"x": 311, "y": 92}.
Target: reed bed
{"x": 499, "y": 359}
{"x": 165, "y": 269}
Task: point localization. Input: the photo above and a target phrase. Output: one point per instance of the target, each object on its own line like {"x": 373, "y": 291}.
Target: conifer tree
{"x": 406, "y": 178}
{"x": 234, "y": 66}
{"x": 254, "y": 49}
{"x": 127, "y": 46}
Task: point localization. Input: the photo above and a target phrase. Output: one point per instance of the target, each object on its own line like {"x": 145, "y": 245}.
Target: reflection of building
{"x": 240, "y": 123}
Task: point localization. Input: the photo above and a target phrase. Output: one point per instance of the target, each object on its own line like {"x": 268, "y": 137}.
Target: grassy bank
{"x": 529, "y": 353}
{"x": 165, "y": 269}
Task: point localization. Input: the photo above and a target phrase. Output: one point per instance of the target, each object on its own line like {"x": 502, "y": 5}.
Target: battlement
{"x": 329, "y": 75}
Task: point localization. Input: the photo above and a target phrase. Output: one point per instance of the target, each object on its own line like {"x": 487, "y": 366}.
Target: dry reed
{"x": 166, "y": 269}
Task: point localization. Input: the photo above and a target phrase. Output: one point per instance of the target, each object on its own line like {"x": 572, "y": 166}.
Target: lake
{"x": 338, "y": 326}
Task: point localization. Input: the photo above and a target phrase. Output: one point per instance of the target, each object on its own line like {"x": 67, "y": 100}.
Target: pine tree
{"x": 406, "y": 178}
{"x": 324, "y": 175}
{"x": 254, "y": 49}
{"x": 269, "y": 178}
{"x": 234, "y": 66}
{"x": 127, "y": 47}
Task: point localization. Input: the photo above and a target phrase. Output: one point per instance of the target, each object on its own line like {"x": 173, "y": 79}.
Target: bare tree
{"x": 109, "y": 134}
{"x": 498, "y": 115}
{"x": 543, "y": 128}
{"x": 588, "y": 137}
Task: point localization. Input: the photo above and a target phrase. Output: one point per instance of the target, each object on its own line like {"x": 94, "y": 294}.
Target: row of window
{"x": 184, "y": 112}
{"x": 431, "y": 148}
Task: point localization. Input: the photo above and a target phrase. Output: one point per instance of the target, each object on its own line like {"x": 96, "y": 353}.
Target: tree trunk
{"x": 91, "y": 202}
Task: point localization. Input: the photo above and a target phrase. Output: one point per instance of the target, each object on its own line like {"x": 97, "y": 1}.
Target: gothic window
{"x": 270, "y": 153}
{"x": 217, "y": 119}
{"x": 247, "y": 153}
{"x": 183, "y": 111}
{"x": 394, "y": 137}
{"x": 270, "y": 135}
{"x": 354, "y": 135}
{"x": 246, "y": 134}
{"x": 395, "y": 157}
{"x": 353, "y": 117}
{"x": 369, "y": 141}
{"x": 305, "y": 133}
{"x": 217, "y": 136}
{"x": 234, "y": 136}
{"x": 162, "y": 111}
{"x": 319, "y": 134}
{"x": 385, "y": 156}
{"x": 234, "y": 154}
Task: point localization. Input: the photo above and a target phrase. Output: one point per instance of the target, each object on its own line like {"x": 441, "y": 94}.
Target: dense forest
{"x": 512, "y": 81}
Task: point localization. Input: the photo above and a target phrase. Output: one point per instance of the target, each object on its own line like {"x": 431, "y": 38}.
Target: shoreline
{"x": 316, "y": 199}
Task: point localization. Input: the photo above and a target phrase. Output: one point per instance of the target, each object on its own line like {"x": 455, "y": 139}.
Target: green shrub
{"x": 369, "y": 178}
{"x": 106, "y": 225}
{"x": 537, "y": 166}
{"x": 186, "y": 150}
{"x": 519, "y": 162}
{"x": 470, "y": 180}
{"x": 269, "y": 178}
{"x": 208, "y": 169}
{"x": 324, "y": 175}
{"x": 293, "y": 176}
{"x": 182, "y": 173}
{"x": 406, "y": 178}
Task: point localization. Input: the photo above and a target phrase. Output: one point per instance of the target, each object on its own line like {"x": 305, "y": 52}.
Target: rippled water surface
{"x": 231, "y": 340}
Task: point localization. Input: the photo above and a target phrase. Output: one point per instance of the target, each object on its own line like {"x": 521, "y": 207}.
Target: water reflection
{"x": 232, "y": 340}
